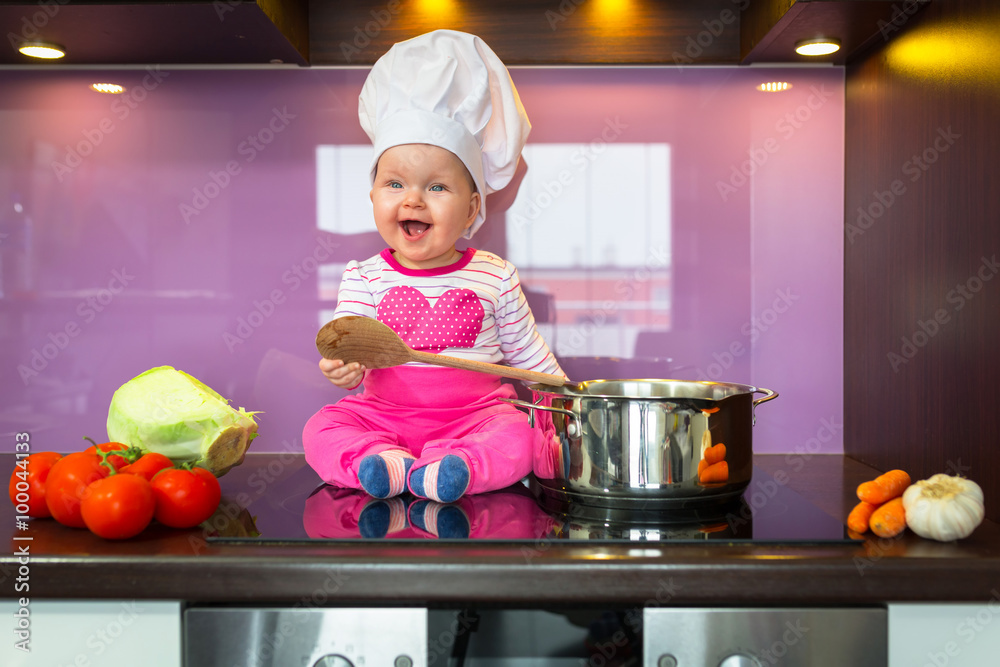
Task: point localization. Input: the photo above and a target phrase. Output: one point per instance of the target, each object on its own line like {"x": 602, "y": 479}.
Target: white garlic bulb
{"x": 943, "y": 507}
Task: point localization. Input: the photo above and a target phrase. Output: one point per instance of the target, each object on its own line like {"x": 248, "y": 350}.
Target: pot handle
{"x": 770, "y": 395}
{"x": 572, "y": 428}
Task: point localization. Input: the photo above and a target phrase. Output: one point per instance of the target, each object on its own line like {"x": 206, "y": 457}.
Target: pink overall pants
{"x": 429, "y": 412}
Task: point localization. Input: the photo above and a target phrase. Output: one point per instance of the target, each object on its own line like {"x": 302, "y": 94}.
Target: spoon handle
{"x": 492, "y": 369}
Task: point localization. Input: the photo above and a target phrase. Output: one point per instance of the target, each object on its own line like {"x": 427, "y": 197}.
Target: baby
{"x": 448, "y": 129}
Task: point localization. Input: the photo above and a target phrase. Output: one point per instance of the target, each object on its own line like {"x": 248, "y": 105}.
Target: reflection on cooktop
{"x": 302, "y": 509}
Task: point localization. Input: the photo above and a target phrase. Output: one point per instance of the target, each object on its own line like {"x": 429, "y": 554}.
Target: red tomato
{"x": 148, "y": 465}
{"x": 27, "y": 483}
{"x": 118, "y": 507}
{"x": 67, "y": 480}
{"x": 117, "y": 461}
{"x": 185, "y": 498}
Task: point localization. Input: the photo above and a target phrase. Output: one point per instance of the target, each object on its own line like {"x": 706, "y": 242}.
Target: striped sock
{"x": 397, "y": 515}
{"x": 443, "y": 521}
{"x": 444, "y": 481}
{"x": 382, "y": 517}
{"x": 383, "y": 475}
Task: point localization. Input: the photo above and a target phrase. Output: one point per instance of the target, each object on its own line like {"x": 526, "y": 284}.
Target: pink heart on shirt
{"x": 454, "y": 321}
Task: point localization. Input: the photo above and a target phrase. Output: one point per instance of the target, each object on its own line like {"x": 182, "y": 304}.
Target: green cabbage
{"x": 168, "y": 411}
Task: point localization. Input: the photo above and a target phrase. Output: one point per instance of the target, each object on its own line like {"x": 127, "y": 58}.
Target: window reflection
{"x": 591, "y": 227}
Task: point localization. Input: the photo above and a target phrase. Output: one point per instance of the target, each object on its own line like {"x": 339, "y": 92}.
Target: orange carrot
{"x": 701, "y": 466}
{"x": 717, "y": 472}
{"x": 889, "y": 520}
{"x": 859, "y": 517}
{"x": 884, "y": 488}
{"x": 715, "y": 453}
{"x": 714, "y": 528}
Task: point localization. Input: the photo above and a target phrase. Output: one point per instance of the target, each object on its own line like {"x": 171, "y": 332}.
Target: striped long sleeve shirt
{"x": 472, "y": 309}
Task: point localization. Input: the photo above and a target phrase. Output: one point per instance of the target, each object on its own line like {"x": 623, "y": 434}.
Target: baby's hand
{"x": 345, "y": 377}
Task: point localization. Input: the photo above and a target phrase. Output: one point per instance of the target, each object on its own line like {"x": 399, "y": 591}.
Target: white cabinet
{"x": 63, "y": 633}
{"x": 945, "y": 635}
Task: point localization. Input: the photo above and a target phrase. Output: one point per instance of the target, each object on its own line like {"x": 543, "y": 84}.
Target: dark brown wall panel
{"x": 922, "y": 284}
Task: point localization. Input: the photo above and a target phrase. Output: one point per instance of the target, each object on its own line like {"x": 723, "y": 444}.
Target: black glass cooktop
{"x": 300, "y": 508}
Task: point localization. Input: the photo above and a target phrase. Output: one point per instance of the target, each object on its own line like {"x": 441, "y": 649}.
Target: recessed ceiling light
{"x": 110, "y": 88}
{"x": 42, "y": 50}
{"x": 774, "y": 86}
{"x": 817, "y": 47}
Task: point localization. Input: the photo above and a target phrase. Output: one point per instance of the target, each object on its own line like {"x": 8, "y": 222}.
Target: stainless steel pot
{"x": 637, "y": 444}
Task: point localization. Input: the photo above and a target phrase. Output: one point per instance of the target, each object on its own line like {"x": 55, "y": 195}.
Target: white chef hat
{"x": 447, "y": 89}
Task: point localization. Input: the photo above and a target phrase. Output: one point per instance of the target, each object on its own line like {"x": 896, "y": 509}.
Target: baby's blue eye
{"x": 437, "y": 188}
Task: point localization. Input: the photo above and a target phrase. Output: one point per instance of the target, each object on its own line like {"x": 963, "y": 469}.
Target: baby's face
{"x": 423, "y": 200}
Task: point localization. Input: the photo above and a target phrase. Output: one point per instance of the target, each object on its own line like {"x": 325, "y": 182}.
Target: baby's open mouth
{"x": 414, "y": 227}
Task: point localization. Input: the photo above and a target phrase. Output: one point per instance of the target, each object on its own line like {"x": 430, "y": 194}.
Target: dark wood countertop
{"x": 181, "y": 565}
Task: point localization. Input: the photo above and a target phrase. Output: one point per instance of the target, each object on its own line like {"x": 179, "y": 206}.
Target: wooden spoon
{"x": 374, "y": 345}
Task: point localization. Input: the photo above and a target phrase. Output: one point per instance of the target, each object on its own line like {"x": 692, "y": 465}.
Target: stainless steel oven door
{"x": 759, "y": 637}
{"x": 305, "y": 637}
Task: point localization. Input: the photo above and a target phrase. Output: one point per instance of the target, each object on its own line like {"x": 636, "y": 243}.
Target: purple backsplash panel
{"x": 177, "y": 225}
